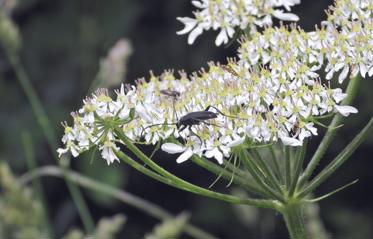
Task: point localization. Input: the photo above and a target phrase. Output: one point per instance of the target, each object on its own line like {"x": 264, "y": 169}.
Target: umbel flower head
{"x": 271, "y": 92}
{"x": 251, "y": 105}
{"x": 228, "y": 16}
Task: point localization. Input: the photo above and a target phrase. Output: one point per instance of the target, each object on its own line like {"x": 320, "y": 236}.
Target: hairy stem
{"x": 294, "y": 218}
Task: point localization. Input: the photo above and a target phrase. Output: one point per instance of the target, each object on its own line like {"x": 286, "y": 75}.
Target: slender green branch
{"x": 237, "y": 170}
{"x": 36, "y": 183}
{"x": 267, "y": 170}
{"x": 299, "y": 159}
{"x": 259, "y": 176}
{"x": 313, "y": 200}
{"x": 242, "y": 177}
{"x": 273, "y": 157}
{"x": 123, "y": 196}
{"x": 49, "y": 133}
{"x": 141, "y": 168}
{"x": 287, "y": 166}
{"x": 250, "y": 186}
{"x": 339, "y": 160}
{"x": 338, "y": 119}
{"x": 184, "y": 185}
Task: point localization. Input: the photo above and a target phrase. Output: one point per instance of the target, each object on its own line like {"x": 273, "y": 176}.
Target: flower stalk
{"x": 293, "y": 213}
{"x": 184, "y": 185}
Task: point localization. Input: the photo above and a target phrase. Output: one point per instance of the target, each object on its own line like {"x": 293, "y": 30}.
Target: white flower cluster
{"x": 228, "y": 15}
{"x": 344, "y": 44}
{"x": 271, "y": 92}
{"x": 347, "y": 39}
{"x": 246, "y": 105}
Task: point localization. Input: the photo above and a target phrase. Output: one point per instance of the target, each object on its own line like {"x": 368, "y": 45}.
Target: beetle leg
{"x": 207, "y": 123}
{"x": 219, "y": 111}
{"x": 195, "y": 134}
{"x": 182, "y": 128}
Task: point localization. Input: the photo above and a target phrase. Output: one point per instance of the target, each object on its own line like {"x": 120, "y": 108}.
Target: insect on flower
{"x": 229, "y": 69}
{"x": 195, "y": 118}
{"x": 172, "y": 93}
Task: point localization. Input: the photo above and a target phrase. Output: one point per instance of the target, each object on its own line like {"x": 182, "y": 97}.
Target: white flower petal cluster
{"x": 248, "y": 104}
{"x": 271, "y": 92}
{"x": 227, "y": 16}
{"x": 348, "y": 39}
{"x": 344, "y": 45}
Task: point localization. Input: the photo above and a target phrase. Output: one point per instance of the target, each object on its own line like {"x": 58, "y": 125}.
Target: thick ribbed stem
{"x": 294, "y": 219}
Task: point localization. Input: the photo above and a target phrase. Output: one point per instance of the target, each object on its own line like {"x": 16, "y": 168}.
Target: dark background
{"x": 63, "y": 41}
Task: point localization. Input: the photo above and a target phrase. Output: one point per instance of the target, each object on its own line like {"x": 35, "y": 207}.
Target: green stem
{"x": 299, "y": 159}
{"x": 184, "y": 185}
{"x": 287, "y": 167}
{"x": 275, "y": 162}
{"x": 36, "y": 183}
{"x": 49, "y": 133}
{"x": 294, "y": 219}
{"x": 339, "y": 160}
{"x": 242, "y": 178}
{"x": 338, "y": 119}
{"x": 259, "y": 176}
{"x": 227, "y": 175}
{"x": 123, "y": 196}
{"x": 268, "y": 171}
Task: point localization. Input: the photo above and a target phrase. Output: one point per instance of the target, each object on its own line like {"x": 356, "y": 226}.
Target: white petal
{"x": 219, "y": 157}
{"x": 172, "y": 148}
{"x": 338, "y": 95}
{"x": 194, "y": 34}
{"x": 197, "y": 4}
{"x": 311, "y": 128}
{"x": 74, "y": 152}
{"x": 370, "y": 72}
{"x": 285, "y": 16}
{"x": 185, "y": 156}
{"x": 330, "y": 74}
{"x": 230, "y": 31}
{"x": 221, "y": 38}
{"x": 345, "y": 110}
{"x": 343, "y": 74}
{"x": 61, "y": 151}
{"x": 209, "y": 153}
{"x": 236, "y": 142}
{"x": 190, "y": 23}
{"x": 363, "y": 69}
{"x": 291, "y": 141}
{"x": 143, "y": 114}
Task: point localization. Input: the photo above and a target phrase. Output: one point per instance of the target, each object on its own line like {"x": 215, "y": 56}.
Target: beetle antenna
{"x": 219, "y": 111}
{"x": 149, "y": 126}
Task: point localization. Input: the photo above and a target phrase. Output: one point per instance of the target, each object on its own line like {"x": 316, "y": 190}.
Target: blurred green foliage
{"x": 21, "y": 214}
